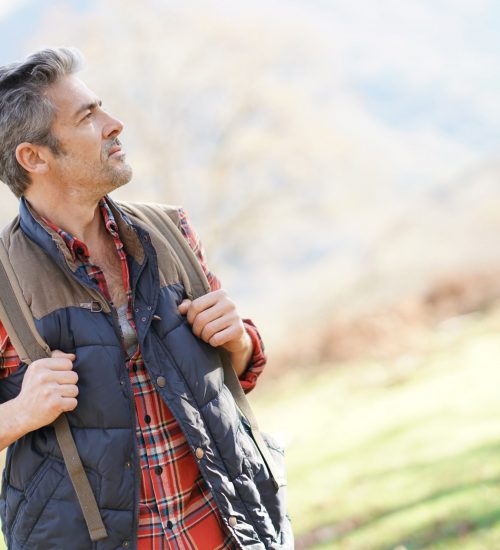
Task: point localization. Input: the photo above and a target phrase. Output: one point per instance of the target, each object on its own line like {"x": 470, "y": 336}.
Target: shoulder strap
{"x": 155, "y": 215}
{"x": 30, "y": 346}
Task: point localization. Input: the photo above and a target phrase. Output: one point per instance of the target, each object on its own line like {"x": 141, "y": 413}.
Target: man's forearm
{"x": 11, "y": 425}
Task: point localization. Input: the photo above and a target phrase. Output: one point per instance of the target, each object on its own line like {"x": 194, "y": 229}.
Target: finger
{"x": 68, "y": 403}
{"x": 204, "y": 302}
{"x": 223, "y": 337}
{"x": 65, "y": 377}
{"x": 47, "y": 376}
{"x": 207, "y": 316}
{"x": 51, "y": 364}
{"x": 59, "y": 353}
{"x": 217, "y": 325}
{"x": 58, "y": 364}
{"x": 68, "y": 390}
{"x": 183, "y": 307}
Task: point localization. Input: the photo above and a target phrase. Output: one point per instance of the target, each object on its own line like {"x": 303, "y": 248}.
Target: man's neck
{"x": 80, "y": 218}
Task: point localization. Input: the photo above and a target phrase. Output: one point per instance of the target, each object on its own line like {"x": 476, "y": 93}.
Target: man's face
{"x": 91, "y": 161}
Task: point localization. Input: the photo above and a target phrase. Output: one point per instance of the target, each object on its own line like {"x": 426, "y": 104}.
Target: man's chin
{"x": 110, "y": 184}
{"x": 121, "y": 176}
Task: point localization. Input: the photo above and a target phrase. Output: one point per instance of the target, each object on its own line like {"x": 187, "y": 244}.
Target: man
{"x": 135, "y": 363}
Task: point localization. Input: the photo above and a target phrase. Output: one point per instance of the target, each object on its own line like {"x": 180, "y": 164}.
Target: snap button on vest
{"x": 161, "y": 381}
{"x": 232, "y": 521}
{"x": 199, "y": 453}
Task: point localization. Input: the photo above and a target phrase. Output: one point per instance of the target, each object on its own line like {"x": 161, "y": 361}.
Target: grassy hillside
{"x": 402, "y": 454}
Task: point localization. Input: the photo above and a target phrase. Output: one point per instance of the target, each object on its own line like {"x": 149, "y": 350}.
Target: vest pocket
{"x": 36, "y": 496}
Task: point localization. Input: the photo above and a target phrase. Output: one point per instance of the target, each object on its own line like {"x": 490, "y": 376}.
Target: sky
{"x": 415, "y": 65}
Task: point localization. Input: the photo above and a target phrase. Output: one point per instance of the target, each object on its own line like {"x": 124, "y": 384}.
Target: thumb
{"x": 183, "y": 307}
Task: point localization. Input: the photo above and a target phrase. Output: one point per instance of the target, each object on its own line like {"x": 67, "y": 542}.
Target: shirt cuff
{"x": 258, "y": 360}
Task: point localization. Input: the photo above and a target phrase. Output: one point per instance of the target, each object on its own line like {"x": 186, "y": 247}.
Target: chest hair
{"x": 105, "y": 256}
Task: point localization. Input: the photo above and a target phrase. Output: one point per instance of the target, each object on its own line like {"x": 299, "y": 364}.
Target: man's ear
{"x": 33, "y": 158}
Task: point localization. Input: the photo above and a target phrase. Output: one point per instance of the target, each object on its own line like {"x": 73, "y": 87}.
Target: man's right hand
{"x": 48, "y": 389}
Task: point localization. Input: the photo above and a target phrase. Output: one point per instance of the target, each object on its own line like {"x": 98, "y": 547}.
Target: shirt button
{"x": 147, "y": 419}
{"x": 134, "y": 368}
{"x": 232, "y": 521}
{"x": 149, "y": 308}
{"x": 199, "y": 453}
{"x": 137, "y": 310}
{"x": 143, "y": 319}
{"x": 122, "y": 382}
{"x": 161, "y": 381}
{"x": 158, "y": 470}
{"x": 170, "y": 524}
{"x": 125, "y": 544}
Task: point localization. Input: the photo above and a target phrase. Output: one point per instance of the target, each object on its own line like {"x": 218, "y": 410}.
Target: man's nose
{"x": 112, "y": 128}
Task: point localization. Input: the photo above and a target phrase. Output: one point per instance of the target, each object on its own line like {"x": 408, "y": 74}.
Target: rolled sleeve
{"x": 257, "y": 361}
{"x": 9, "y": 360}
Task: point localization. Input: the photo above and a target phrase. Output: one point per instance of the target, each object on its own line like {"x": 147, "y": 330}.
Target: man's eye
{"x": 87, "y": 116}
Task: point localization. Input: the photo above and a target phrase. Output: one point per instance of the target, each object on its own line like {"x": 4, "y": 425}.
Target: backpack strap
{"x": 159, "y": 218}
{"x": 30, "y": 346}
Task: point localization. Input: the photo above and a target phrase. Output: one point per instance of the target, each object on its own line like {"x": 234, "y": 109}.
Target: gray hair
{"x": 26, "y": 113}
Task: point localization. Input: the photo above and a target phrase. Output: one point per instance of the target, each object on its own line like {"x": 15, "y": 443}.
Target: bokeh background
{"x": 340, "y": 160}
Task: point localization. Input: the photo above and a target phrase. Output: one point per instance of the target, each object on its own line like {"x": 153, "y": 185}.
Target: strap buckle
{"x": 94, "y": 306}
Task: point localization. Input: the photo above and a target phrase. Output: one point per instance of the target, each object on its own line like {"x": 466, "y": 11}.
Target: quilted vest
{"x": 38, "y": 506}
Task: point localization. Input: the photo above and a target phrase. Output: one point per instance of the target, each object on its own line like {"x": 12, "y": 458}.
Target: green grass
{"x": 396, "y": 454}
{"x": 403, "y": 454}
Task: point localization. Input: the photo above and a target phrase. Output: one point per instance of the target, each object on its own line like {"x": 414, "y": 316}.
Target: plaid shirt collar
{"x": 78, "y": 249}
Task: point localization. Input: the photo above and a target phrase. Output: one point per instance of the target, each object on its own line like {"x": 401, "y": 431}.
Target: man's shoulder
{"x": 150, "y": 209}
{"x": 8, "y": 230}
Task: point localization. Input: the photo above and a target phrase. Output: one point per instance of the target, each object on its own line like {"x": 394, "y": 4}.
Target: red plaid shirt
{"x": 176, "y": 508}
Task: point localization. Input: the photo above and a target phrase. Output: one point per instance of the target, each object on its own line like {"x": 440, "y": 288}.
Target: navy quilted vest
{"x": 38, "y": 506}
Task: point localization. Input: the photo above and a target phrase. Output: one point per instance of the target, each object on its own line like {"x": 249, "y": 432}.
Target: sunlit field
{"x": 397, "y": 454}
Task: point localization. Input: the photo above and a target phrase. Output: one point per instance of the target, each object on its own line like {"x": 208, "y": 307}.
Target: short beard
{"x": 94, "y": 184}
{"x": 123, "y": 176}
{"x": 116, "y": 177}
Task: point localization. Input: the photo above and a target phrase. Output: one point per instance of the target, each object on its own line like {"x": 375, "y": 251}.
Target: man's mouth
{"x": 116, "y": 150}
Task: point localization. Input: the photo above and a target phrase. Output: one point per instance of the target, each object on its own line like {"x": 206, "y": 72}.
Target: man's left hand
{"x": 214, "y": 319}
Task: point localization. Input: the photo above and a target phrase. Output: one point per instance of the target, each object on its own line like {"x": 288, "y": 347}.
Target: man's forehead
{"x": 69, "y": 94}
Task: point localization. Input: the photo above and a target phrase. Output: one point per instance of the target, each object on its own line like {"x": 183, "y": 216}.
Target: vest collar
{"x": 128, "y": 232}
{"x": 50, "y": 241}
